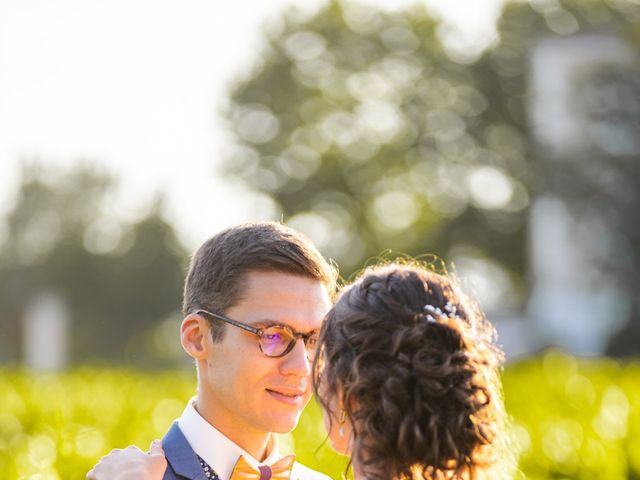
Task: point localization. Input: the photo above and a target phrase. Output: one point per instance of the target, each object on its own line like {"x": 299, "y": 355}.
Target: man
{"x": 254, "y": 300}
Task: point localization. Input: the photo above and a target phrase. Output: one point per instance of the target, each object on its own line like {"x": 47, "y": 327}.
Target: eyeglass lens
{"x": 276, "y": 340}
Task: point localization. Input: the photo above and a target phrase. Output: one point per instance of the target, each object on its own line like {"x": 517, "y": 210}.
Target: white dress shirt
{"x": 221, "y": 454}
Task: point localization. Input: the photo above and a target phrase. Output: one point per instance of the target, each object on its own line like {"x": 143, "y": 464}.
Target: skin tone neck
{"x": 255, "y": 442}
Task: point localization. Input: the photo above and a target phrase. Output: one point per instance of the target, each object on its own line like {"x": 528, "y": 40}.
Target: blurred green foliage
{"x": 371, "y": 132}
{"x": 58, "y": 426}
{"x": 369, "y": 136}
{"x": 118, "y": 278}
{"x": 572, "y": 418}
{"x": 575, "y": 418}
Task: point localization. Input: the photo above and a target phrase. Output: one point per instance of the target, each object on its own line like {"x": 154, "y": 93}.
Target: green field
{"x": 572, "y": 419}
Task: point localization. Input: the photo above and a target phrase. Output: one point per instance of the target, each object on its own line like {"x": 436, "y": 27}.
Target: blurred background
{"x": 501, "y": 136}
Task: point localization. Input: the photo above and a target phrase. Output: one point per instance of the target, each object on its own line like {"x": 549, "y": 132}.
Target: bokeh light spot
{"x": 490, "y": 188}
{"x": 89, "y": 442}
{"x": 42, "y": 451}
{"x": 395, "y": 210}
{"x": 256, "y": 123}
{"x": 561, "y": 441}
{"x": 303, "y": 46}
{"x": 611, "y": 422}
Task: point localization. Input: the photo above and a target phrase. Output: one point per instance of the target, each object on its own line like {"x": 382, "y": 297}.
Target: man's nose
{"x": 297, "y": 361}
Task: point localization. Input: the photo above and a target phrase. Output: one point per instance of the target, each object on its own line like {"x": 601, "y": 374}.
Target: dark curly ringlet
{"x": 423, "y": 397}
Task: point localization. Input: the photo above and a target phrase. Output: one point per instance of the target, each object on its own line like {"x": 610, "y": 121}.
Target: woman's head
{"x": 408, "y": 370}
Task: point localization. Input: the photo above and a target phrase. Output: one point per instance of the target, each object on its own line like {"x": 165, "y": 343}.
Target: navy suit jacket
{"x": 182, "y": 462}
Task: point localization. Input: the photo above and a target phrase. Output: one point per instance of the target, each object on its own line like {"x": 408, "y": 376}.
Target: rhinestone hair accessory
{"x": 435, "y": 312}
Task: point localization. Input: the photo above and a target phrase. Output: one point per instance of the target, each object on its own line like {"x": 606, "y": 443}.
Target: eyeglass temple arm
{"x": 231, "y": 321}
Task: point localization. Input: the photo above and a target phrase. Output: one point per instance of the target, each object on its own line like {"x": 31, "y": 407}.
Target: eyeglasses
{"x": 275, "y": 340}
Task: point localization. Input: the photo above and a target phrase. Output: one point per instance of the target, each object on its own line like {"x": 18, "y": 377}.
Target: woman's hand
{"x": 131, "y": 463}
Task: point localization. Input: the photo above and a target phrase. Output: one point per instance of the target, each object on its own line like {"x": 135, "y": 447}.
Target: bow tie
{"x": 281, "y": 470}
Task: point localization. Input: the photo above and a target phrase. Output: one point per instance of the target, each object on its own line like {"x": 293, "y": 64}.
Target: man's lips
{"x": 288, "y": 395}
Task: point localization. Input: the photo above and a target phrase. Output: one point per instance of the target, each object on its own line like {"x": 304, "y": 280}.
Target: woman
{"x": 407, "y": 373}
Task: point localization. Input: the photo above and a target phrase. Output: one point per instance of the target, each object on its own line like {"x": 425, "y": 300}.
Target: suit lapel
{"x": 180, "y": 455}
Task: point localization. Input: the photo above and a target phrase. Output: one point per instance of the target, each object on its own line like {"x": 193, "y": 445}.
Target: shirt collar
{"x": 215, "y": 448}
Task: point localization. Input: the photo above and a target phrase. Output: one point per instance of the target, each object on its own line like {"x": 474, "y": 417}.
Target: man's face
{"x": 245, "y": 388}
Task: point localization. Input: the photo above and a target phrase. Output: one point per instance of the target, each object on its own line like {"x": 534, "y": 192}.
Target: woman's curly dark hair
{"x": 414, "y": 365}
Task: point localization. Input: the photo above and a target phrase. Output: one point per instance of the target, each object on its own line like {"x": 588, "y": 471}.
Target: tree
{"x": 117, "y": 279}
{"x": 368, "y": 136}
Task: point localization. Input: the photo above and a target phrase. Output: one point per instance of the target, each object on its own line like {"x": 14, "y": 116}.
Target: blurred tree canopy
{"x": 117, "y": 279}
{"x": 369, "y": 133}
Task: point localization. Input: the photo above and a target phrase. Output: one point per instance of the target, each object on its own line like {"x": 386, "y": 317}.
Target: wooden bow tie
{"x": 281, "y": 470}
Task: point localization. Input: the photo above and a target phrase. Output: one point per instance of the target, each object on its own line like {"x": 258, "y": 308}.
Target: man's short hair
{"x": 218, "y": 267}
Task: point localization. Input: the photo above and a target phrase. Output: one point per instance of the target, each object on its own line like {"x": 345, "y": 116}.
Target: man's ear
{"x": 194, "y": 333}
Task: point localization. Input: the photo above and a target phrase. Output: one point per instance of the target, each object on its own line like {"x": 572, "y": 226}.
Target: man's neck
{"x": 258, "y": 444}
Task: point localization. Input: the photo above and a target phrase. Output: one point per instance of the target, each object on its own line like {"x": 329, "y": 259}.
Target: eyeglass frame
{"x": 258, "y": 332}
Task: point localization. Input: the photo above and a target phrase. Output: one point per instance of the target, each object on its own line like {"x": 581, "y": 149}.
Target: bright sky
{"x": 137, "y": 86}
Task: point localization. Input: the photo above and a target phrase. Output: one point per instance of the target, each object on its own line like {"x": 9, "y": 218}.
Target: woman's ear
{"x": 194, "y": 333}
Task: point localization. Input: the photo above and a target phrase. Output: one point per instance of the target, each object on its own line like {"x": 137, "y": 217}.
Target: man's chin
{"x": 285, "y": 424}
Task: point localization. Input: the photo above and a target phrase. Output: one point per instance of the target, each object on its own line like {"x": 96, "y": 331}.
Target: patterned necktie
{"x": 281, "y": 470}
{"x": 208, "y": 471}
